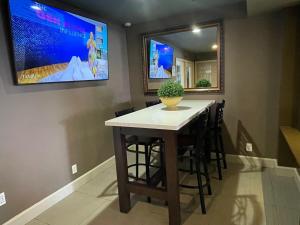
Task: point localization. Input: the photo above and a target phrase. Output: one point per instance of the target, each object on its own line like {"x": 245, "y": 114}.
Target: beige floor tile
{"x": 194, "y": 219}
{"x": 235, "y": 183}
{"x": 238, "y": 210}
{"x": 140, "y": 214}
{"x": 74, "y": 210}
{"x": 36, "y": 222}
{"x": 288, "y": 216}
{"x": 103, "y": 186}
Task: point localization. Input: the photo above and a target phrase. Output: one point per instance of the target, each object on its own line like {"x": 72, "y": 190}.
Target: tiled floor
{"x": 246, "y": 196}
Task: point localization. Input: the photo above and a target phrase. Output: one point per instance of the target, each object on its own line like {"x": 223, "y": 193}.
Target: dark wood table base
{"x": 171, "y": 195}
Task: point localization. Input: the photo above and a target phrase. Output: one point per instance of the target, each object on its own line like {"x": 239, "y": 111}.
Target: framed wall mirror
{"x": 192, "y": 55}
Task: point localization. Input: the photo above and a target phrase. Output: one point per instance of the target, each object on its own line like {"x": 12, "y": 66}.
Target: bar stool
{"x": 159, "y": 142}
{"x": 148, "y": 143}
{"x": 194, "y": 145}
{"x": 216, "y": 135}
{"x": 152, "y": 103}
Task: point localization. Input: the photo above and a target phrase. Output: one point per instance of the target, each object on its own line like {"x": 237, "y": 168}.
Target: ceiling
{"x": 255, "y": 7}
{"x": 193, "y": 42}
{"x": 139, "y": 11}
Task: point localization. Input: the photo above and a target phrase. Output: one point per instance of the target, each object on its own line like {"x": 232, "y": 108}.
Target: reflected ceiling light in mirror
{"x": 214, "y": 47}
{"x": 196, "y": 30}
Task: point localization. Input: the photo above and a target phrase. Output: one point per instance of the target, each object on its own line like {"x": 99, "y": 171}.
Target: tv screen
{"x": 53, "y": 45}
{"x": 160, "y": 60}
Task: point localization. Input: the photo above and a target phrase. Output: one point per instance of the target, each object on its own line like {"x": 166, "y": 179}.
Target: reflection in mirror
{"x": 190, "y": 56}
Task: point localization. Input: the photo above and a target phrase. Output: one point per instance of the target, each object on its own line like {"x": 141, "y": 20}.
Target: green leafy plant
{"x": 170, "y": 88}
{"x": 203, "y": 83}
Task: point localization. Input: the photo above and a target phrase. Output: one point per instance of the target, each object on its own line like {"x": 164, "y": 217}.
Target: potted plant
{"x": 170, "y": 93}
{"x": 203, "y": 83}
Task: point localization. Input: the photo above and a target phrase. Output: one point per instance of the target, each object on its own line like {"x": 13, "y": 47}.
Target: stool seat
{"x": 140, "y": 140}
{"x": 215, "y": 133}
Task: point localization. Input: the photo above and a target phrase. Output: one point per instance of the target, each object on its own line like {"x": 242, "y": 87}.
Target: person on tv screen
{"x": 91, "y": 45}
{"x": 155, "y": 61}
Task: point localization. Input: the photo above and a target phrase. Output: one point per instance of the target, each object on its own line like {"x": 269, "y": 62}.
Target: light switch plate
{"x": 2, "y": 199}
{"x": 74, "y": 169}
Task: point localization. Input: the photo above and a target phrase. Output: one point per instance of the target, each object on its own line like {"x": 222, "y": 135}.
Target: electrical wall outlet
{"x": 249, "y": 147}
{"x": 2, "y": 199}
{"x": 74, "y": 169}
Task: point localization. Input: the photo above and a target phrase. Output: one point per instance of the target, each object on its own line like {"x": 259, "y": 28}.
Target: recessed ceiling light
{"x": 196, "y": 30}
{"x": 36, "y": 7}
{"x": 127, "y": 24}
{"x": 214, "y": 46}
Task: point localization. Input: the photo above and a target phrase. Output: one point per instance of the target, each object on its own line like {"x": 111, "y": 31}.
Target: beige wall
{"x": 252, "y": 76}
{"x": 44, "y": 129}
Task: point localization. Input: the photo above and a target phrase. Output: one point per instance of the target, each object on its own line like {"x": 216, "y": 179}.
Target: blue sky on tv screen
{"x": 165, "y": 53}
{"x": 44, "y": 35}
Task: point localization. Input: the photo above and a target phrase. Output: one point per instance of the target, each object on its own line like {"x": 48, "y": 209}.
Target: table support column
{"x": 170, "y": 138}
{"x": 122, "y": 171}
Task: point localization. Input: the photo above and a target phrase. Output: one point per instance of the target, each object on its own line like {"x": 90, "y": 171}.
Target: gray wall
{"x": 44, "y": 129}
{"x": 252, "y": 76}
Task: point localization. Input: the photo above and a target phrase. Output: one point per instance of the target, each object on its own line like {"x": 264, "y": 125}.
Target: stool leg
{"x": 137, "y": 161}
{"x": 201, "y": 193}
{"x": 218, "y": 157}
{"x": 191, "y": 164}
{"x": 223, "y": 151}
{"x": 206, "y": 176}
{"x": 208, "y": 148}
{"x": 147, "y": 162}
{"x": 162, "y": 165}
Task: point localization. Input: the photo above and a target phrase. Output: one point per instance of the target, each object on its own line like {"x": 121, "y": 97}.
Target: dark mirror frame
{"x": 220, "y": 53}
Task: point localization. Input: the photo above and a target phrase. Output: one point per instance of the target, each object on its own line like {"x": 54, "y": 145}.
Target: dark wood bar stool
{"x": 216, "y": 135}
{"x": 148, "y": 143}
{"x": 152, "y": 103}
{"x": 160, "y": 143}
{"x": 192, "y": 148}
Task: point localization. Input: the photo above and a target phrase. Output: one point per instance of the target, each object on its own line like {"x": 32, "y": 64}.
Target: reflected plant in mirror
{"x": 191, "y": 55}
{"x": 203, "y": 83}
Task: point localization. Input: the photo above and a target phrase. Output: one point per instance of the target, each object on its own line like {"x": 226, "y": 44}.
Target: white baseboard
{"x": 38, "y": 208}
{"x": 252, "y": 161}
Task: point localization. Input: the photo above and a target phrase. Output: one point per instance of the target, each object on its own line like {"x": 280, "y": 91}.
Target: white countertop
{"x": 158, "y": 117}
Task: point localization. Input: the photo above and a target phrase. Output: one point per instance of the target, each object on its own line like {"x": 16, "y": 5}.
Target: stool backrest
{"x": 152, "y": 103}
{"x": 124, "y": 112}
{"x": 219, "y": 114}
{"x": 202, "y": 128}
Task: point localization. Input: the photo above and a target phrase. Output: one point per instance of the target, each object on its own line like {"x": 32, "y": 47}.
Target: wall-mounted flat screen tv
{"x": 160, "y": 60}
{"x": 52, "y": 45}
